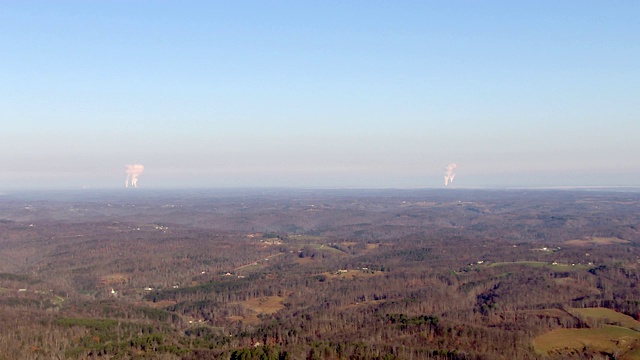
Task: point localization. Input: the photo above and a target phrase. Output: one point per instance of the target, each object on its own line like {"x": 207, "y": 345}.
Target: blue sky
{"x": 319, "y": 93}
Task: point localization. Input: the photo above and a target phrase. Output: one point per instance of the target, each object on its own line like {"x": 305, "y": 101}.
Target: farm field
{"x": 595, "y": 241}
{"x": 607, "y": 339}
{"x": 606, "y": 316}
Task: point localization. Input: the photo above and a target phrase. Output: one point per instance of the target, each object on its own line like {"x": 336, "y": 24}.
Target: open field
{"x": 351, "y": 274}
{"x": 57, "y": 300}
{"x": 323, "y": 247}
{"x": 160, "y": 304}
{"x": 260, "y": 306}
{"x": 596, "y": 241}
{"x": 633, "y": 354}
{"x": 536, "y": 264}
{"x": 265, "y": 305}
{"x": 607, "y": 339}
{"x": 542, "y": 264}
{"x": 307, "y": 238}
{"x": 373, "y": 246}
{"x": 114, "y": 279}
{"x": 606, "y": 316}
{"x": 619, "y": 336}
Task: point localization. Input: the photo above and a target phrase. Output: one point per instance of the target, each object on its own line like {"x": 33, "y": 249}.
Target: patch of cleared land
{"x": 160, "y": 304}
{"x": 114, "y": 279}
{"x": 607, "y": 339}
{"x": 633, "y": 354}
{"x": 57, "y": 300}
{"x": 539, "y": 264}
{"x": 326, "y": 248}
{"x": 373, "y": 246}
{"x": 307, "y": 238}
{"x": 527, "y": 263}
{"x": 263, "y": 305}
{"x": 595, "y": 241}
{"x": 606, "y": 316}
{"x": 622, "y": 339}
{"x": 350, "y": 274}
{"x": 581, "y": 286}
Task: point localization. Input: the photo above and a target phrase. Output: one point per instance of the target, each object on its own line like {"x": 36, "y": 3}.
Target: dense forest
{"x": 320, "y": 274}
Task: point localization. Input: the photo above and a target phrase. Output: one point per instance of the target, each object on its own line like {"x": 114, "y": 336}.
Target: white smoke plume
{"x": 133, "y": 171}
{"x": 449, "y": 175}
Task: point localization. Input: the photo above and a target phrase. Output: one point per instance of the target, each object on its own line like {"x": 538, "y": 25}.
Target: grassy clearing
{"x": 623, "y": 338}
{"x": 265, "y": 305}
{"x": 577, "y": 285}
{"x": 595, "y": 241}
{"x": 114, "y": 279}
{"x": 633, "y": 354}
{"x": 57, "y": 300}
{"x": 326, "y": 248}
{"x": 307, "y": 238}
{"x": 526, "y": 263}
{"x": 160, "y": 304}
{"x": 244, "y": 269}
{"x": 540, "y": 264}
{"x": 372, "y": 246}
{"x": 606, "y": 316}
{"x": 351, "y": 274}
{"x": 607, "y": 339}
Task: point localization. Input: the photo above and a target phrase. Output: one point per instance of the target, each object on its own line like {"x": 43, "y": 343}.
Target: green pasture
{"x": 606, "y": 316}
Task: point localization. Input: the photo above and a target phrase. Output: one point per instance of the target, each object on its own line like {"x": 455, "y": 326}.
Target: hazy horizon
{"x": 319, "y": 95}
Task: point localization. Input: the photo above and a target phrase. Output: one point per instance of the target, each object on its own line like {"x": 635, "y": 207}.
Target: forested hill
{"x": 320, "y": 274}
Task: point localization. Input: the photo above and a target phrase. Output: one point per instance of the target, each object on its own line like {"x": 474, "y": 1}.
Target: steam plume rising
{"x": 133, "y": 171}
{"x": 449, "y": 174}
